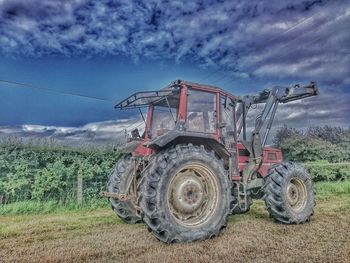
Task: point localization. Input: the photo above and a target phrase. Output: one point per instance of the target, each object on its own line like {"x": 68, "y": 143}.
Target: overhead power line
{"x": 30, "y": 86}
{"x": 312, "y": 41}
{"x": 209, "y": 75}
{"x": 296, "y": 25}
{"x": 299, "y": 23}
{"x": 57, "y": 92}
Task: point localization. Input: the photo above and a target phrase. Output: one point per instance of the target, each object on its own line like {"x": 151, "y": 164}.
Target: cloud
{"x": 319, "y": 110}
{"x": 106, "y": 132}
{"x": 252, "y": 37}
{"x": 266, "y": 40}
{"x": 331, "y": 108}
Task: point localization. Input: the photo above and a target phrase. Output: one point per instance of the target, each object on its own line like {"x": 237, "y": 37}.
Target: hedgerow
{"x": 50, "y": 172}
{"x": 330, "y": 144}
{"x": 325, "y": 171}
{"x": 47, "y": 171}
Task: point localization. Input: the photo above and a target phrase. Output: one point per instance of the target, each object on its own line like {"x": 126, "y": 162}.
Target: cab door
{"x": 227, "y": 126}
{"x": 228, "y": 131}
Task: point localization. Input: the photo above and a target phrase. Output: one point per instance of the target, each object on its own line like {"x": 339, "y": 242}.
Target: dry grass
{"x": 253, "y": 237}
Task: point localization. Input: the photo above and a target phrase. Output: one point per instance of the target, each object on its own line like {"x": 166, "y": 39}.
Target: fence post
{"x": 80, "y": 189}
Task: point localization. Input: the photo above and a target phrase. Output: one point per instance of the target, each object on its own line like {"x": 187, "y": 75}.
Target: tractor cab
{"x": 185, "y": 112}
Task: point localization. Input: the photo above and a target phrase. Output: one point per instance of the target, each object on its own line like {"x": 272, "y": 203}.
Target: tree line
{"x": 45, "y": 170}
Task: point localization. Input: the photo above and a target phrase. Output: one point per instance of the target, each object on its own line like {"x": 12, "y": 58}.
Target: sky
{"x": 110, "y": 49}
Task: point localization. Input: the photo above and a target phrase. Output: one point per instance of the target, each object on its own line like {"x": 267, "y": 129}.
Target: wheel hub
{"x": 192, "y": 195}
{"x": 293, "y": 194}
{"x": 188, "y": 194}
{"x": 296, "y": 194}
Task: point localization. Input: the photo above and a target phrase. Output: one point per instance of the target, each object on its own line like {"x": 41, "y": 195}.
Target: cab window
{"x": 164, "y": 115}
{"x": 201, "y": 111}
{"x": 227, "y": 116}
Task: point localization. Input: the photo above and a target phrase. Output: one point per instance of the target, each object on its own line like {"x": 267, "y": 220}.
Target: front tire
{"x": 118, "y": 183}
{"x": 289, "y": 194}
{"x": 185, "y": 194}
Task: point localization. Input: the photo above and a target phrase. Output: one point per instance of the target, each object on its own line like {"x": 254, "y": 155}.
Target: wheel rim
{"x": 296, "y": 194}
{"x": 193, "y": 195}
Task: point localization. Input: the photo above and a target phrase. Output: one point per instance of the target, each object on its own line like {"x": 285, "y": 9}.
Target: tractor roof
{"x": 206, "y": 87}
{"x": 144, "y": 98}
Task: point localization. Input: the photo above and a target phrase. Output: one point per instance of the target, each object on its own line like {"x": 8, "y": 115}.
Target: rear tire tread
{"x": 154, "y": 218}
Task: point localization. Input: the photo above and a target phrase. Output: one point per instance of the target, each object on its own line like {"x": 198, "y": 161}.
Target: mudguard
{"x": 177, "y": 137}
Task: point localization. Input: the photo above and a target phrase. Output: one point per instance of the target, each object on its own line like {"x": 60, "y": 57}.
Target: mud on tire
{"x": 289, "y": 194}
{"x": 118, "y": 182}
{"x": 176, "y": 192}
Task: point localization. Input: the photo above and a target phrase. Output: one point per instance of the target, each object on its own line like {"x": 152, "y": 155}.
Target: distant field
{"x": 97, "y": 236}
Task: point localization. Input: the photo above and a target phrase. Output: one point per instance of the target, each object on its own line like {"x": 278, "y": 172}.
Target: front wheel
{"x": 289, "y": 194}
{"x": 185, "y": 194}
{"x": 118, "y": 183}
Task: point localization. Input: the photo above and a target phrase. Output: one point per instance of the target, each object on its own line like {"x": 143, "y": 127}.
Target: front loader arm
{"x": 271, "y": 98}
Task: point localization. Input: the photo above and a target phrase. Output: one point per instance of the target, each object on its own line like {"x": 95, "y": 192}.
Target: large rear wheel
{"x": 119, "y": 183}
{"x": 289, "y": 194}
{"x": 185, "y": 194}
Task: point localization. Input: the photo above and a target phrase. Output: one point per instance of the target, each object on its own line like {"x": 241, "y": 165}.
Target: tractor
{"x": 193, "y": 165}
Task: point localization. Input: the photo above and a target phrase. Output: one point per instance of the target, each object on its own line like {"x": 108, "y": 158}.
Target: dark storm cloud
{"x": 270, "y": 40}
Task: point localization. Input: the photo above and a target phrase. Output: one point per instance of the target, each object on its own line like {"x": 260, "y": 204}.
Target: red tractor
{"x": 189, "y": 170}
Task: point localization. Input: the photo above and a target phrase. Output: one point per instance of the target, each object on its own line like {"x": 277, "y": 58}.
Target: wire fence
{"x": 73, "y": 191}
{"x": 53, "y": 173}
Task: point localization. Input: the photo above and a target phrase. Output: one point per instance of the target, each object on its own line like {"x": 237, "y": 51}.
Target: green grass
{"x": 72, "y": 221}
{"x": 99, "y": 236}
{"x": 327, "y": 188}
{"x": 323, "y": 190}
{"x": 35, "y": 207}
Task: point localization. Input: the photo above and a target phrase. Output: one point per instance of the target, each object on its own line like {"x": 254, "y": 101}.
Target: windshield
{"x": 201, "y": 116}
{"x": 164, "y": 115}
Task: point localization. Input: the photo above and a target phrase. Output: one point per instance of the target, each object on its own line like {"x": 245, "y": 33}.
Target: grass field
{"x": 97, "y": 236}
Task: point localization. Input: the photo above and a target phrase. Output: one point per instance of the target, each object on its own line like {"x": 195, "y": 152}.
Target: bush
{"x": 50, "y": 172}
{"x": 333, "y": 188}
{"x": 312, "y": 149}
{"x": 327, "y": 143}
{"x": 325, "y": 171}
